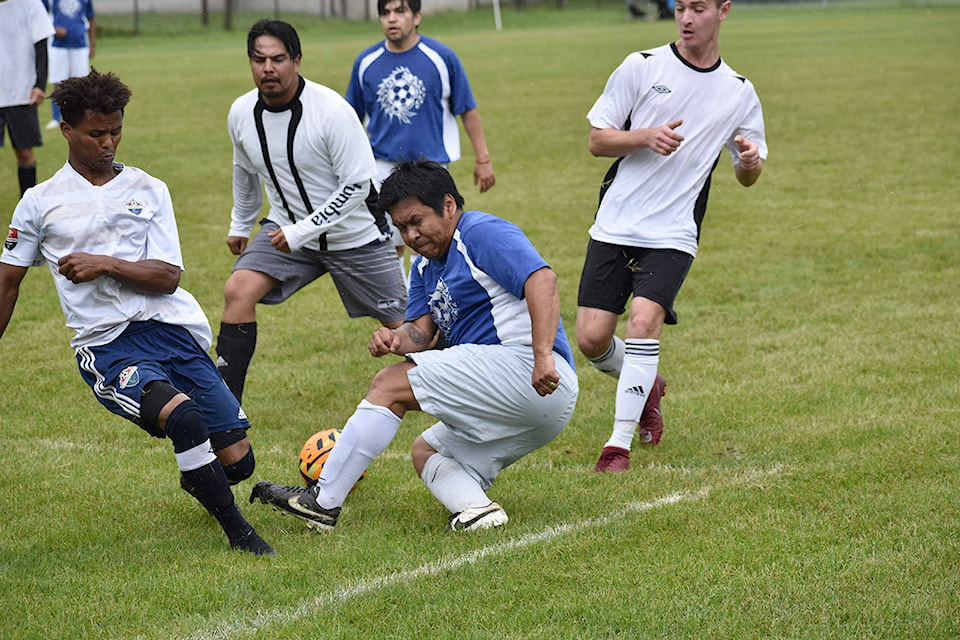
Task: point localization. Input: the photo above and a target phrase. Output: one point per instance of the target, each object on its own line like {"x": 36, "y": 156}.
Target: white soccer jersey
{"x": 131, "y": 218}
{"x": 22, "y": 24}
{"x": 659, "y": 201}
{"x": 314, "y": 159}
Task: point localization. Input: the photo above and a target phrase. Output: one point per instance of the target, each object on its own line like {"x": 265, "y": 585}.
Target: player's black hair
{"x": 96, "y": 92}
{"x": 413, "y": 4}
{"x": 282, "y": 31}
{"x": 425, "y": 180}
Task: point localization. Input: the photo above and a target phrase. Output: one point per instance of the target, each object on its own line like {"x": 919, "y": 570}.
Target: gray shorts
{"x": 368, "y": 278}
{"x": 490, "y": 415}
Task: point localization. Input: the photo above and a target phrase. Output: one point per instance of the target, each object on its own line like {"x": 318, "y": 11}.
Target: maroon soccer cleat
{"x": 613, "y": 460}
{"x": 651, "y": 422}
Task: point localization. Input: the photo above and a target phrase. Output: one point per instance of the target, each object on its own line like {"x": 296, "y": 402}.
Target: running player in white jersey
{"x": 667, "y": 114}
{"x": 108, "y": 235}
{"x": 303, "y": 143}
{"x": 504, "y": 384}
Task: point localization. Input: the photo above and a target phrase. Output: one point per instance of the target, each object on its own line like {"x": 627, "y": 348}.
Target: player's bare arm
{"x": 10, "y": 278}
{"x": 543, "y": 303}
{"x": 410, "y": 337}
{"x": 483, "y": 173}
{"x": 750, "y": 164}
{"x": 146, "y": 276}
{"x": 615, "y": 143}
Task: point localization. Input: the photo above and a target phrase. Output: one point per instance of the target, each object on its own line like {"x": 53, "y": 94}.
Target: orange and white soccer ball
{"x": 314, "y": 454}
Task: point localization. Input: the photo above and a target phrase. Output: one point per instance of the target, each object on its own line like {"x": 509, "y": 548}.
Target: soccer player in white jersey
{"x": 410, "y": 89}
{"x": 667, "y": 114}
{"x": 504, "y": 384}
{"x": 303, "y": 143}
{"x": 108, "y": 235}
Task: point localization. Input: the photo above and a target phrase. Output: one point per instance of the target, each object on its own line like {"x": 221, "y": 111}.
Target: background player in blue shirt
{"x": 503, "y": 386}
{"x": 73, "y": 45}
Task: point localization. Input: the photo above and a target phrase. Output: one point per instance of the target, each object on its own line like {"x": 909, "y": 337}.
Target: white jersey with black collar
{"x": 659, "y": 201}
{"x": 314, "y": 159}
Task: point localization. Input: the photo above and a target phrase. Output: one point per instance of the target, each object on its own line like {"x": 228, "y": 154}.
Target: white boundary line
{"x": 306, "y": 608}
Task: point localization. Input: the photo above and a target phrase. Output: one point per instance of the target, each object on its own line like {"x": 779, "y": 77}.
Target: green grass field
{"x": 808, "y": 483}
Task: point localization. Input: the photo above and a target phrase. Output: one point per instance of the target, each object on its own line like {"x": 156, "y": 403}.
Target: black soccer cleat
{"x": 296, "y": 501}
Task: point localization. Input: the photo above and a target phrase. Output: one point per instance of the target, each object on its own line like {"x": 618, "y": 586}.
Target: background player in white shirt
{"x": 667, "y": 113}
{"x": 108, "y": 235}
{"x": 303, "y": 142}
{"x": 504, "y": 385}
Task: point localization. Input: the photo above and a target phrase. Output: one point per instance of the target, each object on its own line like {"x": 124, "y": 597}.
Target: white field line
{"x": 306, "y": 608}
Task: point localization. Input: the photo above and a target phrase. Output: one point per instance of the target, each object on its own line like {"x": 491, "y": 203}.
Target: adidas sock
{"x": 611, "y": 362}
{"x": 27, "y": 177}
{"x": 450, "y": 483}
{"x": 367, "y": 433}
{"x": 637, "y": 376}
{"x": 235, "y": 346}
{"x": 211, "y": 489}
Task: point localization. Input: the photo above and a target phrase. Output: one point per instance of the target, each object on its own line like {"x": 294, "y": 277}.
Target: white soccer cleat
{"x": 477, "y": 518}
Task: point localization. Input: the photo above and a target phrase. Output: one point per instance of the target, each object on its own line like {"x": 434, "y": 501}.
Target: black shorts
{"x": 23, "y": 125}
{"x": 612, "y": 273}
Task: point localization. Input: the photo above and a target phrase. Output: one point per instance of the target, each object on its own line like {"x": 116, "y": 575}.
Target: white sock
{"x": 636, "y": 378}
{"x": 367, "y": 433}
{"x": 611, "y": 362}
{"x": 450, "y": 483}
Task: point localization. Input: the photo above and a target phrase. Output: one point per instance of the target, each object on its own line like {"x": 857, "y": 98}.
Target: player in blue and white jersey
{"x": 410, "y": 89}
{"x": 74, "y": 43}
{"x": 108, "y": 235}
{"x": 504, "y": 384}
{"x": 668, "y": 114}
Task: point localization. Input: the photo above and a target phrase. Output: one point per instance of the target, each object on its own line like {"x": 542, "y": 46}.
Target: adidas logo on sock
{"x": 637, "y": 390}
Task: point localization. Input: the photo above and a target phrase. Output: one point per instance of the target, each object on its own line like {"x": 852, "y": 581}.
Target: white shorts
{"x": 490, "y": 415}
{"x": 68, "y": 63}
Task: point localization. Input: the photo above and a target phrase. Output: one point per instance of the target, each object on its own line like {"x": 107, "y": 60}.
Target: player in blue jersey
{"x": 503, "y": 385}
{"x": 107, "y": 233}
{"x": 74, "y": 43}
{"x": 410, "y": 89}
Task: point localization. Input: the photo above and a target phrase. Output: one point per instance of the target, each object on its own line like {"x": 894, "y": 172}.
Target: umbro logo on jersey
{"x": 134, "y": 207}
{"x": 637, "y": 390}
{"x": 659, "y": 88}
{"x": 11, "y": 241}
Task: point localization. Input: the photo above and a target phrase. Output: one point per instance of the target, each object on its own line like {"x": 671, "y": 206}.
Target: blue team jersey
{"x": 73, "y": 15}
{"x": 411, "y": 100}
{"x": 475, "y": 293}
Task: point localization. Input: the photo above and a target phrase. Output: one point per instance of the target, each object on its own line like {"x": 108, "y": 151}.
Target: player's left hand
{"x": 37, "y": 96}
{"x": 749, "y": 153}
{"x": 279, "y": 241}
{"x": 484, "y": 175}
{"x": 545, "y": 376}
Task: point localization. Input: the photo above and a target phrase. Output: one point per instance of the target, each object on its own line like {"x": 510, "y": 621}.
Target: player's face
{"x": 399, "y": 24}
{"x": 93, "y": 143}
{"x": 423, "y": 229}
{"x": 699, "y": 21}
{"x": 275, "y": 73}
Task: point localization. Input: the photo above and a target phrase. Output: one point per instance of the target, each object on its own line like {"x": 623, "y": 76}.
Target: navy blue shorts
{"x": 612, "y": 273}
{"x": 147, "y": 351}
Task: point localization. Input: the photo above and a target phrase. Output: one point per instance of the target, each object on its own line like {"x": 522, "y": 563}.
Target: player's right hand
{"x": 237, "y": 244}
{"x": 383, "y": 341}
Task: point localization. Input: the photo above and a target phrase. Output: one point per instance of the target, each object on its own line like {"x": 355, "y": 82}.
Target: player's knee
{"x": 241, "y": 469}
{"x": 234, "y": 453}
{"x": 186, "y": 427}
{"x": 156, "y": 395}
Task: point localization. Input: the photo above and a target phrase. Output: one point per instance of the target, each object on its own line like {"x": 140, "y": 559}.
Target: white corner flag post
{"x": 496, "y": 15}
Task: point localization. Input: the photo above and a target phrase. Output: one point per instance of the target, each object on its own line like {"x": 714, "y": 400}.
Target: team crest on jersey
{"x": 129, "y": 377}
{"x": 134, "y": 207}
{"x": 70, "y": 8}
{"x": 11, "y": 241}
{"x": 443, "y": 309}
{"x": 400, "y": 94}
{"x": 659, "y": 88}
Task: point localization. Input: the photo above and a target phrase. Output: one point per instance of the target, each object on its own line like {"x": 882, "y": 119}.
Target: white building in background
{"x": 350, "y": 9}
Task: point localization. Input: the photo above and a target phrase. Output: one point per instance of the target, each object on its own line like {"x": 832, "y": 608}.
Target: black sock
{"x": 27, "y": 176}
{"x": 235, "y": 346}
{"x": 210, "y": 488}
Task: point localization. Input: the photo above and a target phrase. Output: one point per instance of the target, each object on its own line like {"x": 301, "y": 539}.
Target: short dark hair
{"x": 425, "y": 180}
{"x": 96, "y": 92}
{"x": 413, "y": 4}
{"x": 282, "y": 31}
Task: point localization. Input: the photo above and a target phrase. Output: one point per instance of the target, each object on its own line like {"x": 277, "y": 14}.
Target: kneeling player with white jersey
{"x": 504, "y": 384}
